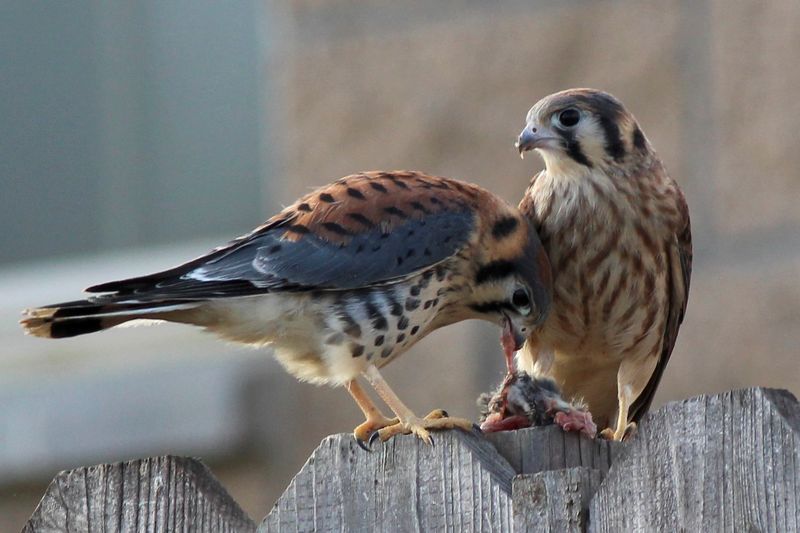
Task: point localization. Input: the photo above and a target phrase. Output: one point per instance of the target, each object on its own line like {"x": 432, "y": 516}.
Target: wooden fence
{"x": 728, "y": 462}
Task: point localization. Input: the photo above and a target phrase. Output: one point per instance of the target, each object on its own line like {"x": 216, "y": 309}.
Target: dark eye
{"x": 521, "y": 301}
{"x": 569, "y": 117}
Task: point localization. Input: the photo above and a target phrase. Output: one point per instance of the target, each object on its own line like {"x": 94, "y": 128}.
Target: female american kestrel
{"x": 616, "y": 229}
{"x": 343, "y": 281}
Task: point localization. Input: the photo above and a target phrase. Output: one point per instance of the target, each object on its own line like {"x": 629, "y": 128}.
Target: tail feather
{"x": 87, "y": 316}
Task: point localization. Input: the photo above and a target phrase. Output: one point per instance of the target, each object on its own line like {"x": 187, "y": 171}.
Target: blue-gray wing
{"x": 362, "y": 231}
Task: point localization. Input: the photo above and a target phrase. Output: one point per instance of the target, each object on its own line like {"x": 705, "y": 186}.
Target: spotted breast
{"x": 344, "y": 280}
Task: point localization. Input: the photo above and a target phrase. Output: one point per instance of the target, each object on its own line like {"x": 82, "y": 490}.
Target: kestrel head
{"x": 578, "y": 130}
{"x": 511, "y": 284}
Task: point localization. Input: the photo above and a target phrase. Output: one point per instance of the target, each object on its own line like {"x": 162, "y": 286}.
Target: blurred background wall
{"x": 134, "y": 135}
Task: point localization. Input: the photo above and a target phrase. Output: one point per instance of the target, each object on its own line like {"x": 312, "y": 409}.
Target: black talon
{"x": 433, "y": 442}
{"x": 445, "y": 414}
{"x": 372, "y": 439}
{"x": 477, "y": 428}
{"x": 362, "y": 445}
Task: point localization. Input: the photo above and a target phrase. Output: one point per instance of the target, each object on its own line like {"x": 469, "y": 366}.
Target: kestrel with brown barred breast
{"x": 616, "y": 229}
{"x": 345, "y": 280}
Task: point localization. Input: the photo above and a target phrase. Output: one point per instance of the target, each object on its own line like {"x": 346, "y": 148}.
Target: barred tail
{"x": 70, "y": 319}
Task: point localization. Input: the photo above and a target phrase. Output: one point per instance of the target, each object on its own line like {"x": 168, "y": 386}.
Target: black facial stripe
{"x": 504, "y": 227}
{"x": 575, "y": 152}
{"x": 614, "y": 145}
{"x": 495, "y": 307}
{"x": 574, "y": 147}
{"x": 609, "y": 113}
{"x": 494, "y": 270}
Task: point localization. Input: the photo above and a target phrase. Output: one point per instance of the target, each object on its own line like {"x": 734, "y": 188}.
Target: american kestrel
{"x": 343, "y": 281}
{"x": 616, "y": 229}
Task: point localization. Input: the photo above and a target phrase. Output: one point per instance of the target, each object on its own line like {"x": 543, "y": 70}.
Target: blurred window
{"x": 127, "y": 123}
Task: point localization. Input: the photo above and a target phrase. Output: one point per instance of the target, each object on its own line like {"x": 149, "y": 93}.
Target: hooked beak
{"x": 532, "y": 138}
{"x": 512, "y": 336}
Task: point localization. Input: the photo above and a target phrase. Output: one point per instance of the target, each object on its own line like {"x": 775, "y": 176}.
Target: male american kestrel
{"x": 616, "y": 229}
{"x": 345, "y": 280}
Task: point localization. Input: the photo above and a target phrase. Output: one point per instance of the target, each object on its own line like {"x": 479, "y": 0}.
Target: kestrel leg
{"x": 408, "y": 421}
{"x": 632, "y": 378}
{"x": 375, "y": 419}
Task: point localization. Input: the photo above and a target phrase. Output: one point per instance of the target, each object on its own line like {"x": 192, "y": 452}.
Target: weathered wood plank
{"x": 461, "y": 484}
{"x": 534, "y": 450}
{"x": 554, "y": 500}
{"x": 158, "y": 494}
{"x": 729, "y": 462}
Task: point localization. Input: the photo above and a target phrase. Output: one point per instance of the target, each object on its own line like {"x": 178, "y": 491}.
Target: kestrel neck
{"x": 556, "y": 201}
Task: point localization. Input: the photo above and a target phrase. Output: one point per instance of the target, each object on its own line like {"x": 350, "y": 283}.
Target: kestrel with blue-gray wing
{"x": 616, "y": 229}
{"x": 345, "y": 280}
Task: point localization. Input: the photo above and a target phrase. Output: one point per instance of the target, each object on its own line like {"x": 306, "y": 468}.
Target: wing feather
{"x": 367, "y": 229}
{"x": 679, "y": 263}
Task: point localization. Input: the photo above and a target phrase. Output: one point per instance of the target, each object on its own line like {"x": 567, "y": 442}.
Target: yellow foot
{"x": 435, "y": 420}
{"x": 369, "y": 427}
{"x": 623, "y": 435}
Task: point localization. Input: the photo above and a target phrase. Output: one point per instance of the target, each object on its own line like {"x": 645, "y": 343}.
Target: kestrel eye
{"x": 521, "y": 301}
{"x": 569, "y": 117}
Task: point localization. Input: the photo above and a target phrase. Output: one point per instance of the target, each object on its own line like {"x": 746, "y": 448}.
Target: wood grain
{"x": 554, "y": 500}
{"x": 533, "y": 450}
{"x": 158, "y": 494}
{"x": 460, "y": 484}
{"x": 464, "y": 483}
{"x": 728, "y": 462}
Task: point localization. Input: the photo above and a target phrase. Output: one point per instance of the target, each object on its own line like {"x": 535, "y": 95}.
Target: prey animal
{"x": 616, "y": 229}
{"x": 343, "y": 281}
{"x": 523, "y": 401}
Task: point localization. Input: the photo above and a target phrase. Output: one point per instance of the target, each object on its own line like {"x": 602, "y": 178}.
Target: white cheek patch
{"x": 592, "y": 140}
